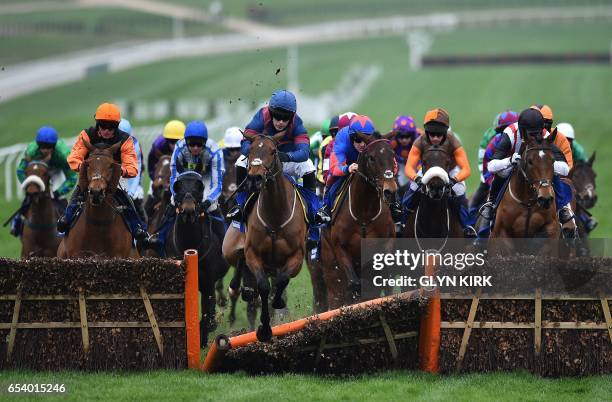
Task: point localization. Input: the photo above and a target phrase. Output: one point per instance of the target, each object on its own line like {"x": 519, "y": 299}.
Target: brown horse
{"x": 527, "y": 207}
{"x": 275, "y": 239}
{"x": 362, "y": 213}
{"x": 100, "y": 229}
{"x": 161, "y": 192}
{"x": 39, "y": 238}
{"x": 583, "y": 177}
{"x": 433, "y": 217}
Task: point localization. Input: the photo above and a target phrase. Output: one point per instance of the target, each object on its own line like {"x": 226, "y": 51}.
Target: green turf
{"x": 50, "y": 33}
{"x": 390, "y": 386}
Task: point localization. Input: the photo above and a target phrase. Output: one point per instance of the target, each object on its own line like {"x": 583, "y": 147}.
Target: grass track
{"x": 389, "y": 386}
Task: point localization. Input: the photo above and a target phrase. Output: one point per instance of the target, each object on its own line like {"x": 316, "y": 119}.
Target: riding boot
{"x": 149, "y": 206}
{"x": 410, "y": 200}
{"x": 139, "y": 204}
{"x": 217, "y": 223}
{"x": 236, "y": 213}
{"x": 17, "y": 225}
{"x": 460, "y": 204}
{"x": 397, "y": 211}
{"x": 487, "y": 210}
{"x": 588, "y": 221}
{"x": 63, "y": 223}
{"x": 136, "y": 226}
{"x": 158, "y": 240}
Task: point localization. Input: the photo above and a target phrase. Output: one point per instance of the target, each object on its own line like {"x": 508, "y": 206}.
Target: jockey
{"x": 196, "y": 153}
{"x": 106, "y": 132}
{"x": 279, "y": 116}
{"x": 53, "y": 151}
{"x": 436, "y": 125}
{"x": 343, "y": 162}
{"x": 133, "y": 186}
{"x": 507, "y": 152}
{"x": 405, "y": 133}
{"x": 579, "y": 155}
{"x": 164, "y": 144}
{"x": 323, "y": 157}
{"x": 231, "y": 144}
{"x": 343, "y": 121}
{"x": 502, "y": 120}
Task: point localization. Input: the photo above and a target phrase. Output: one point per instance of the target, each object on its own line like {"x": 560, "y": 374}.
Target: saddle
{"x": 340, "y": 196}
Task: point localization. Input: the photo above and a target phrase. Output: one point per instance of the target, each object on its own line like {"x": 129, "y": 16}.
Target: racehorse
{"x": 433, "y": 217}
{"x": 161, "y": 192}
{"x": 274, "y": 244}
{"x": 362, "y": 213}
{"x": 99, "y": 230}
{"x": 583, "y": 177}
{"x": 192, "y": 230}
{"x": 527, "y": 207}
{"x": 39, "y": 237}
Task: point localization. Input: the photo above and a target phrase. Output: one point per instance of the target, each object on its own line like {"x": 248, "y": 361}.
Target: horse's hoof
{"x": 222, "y": 301}
{"x": 279, "y": 304}
{"x": 264, "y": 334}
{"x": 248, "y": 294}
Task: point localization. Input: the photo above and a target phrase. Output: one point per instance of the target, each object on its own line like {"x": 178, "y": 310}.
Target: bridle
{"x": 374, "y": 180}
{"x": 448, "y": 187}
{"x": 534, "y": 185}
{"x": 45, "y": 178}
{"x": 270, "y": 172}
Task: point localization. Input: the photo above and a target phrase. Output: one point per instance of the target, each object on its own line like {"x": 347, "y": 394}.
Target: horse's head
{"x": 264, "y": 163}
{"x": 537, "y": 168}
{"x": 583, "y": 176}
{"x": 188, "y": 194}
{"x": 37, "y": 180}
{"x": 436, "y": 163}
{"x": 377, "y": 162}
{"x": 161, "y": 177}
{"x": 101, "y": 170}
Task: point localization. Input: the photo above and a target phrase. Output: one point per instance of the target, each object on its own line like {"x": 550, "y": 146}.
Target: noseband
{"x": 270, "y": 172}
{"x": 534, "y": 185}
{"x": 373, "y": 181}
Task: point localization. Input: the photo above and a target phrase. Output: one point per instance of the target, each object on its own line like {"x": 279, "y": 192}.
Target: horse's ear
{"x": 366, "y": 138}
{"x": 249, "y": 136}
{"x": 87, "y": 144}
{"x": 389, "y": 135}
{"x": 591, "y": 159}
{"x": 115, "y": 177}
{"x": 279, "y": 136}
{"x": 114, "y": 148}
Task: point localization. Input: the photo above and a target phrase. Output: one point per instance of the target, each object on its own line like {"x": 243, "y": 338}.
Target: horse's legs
{"x": 255, "y": 264}
{"x": 221, "y": 298}
{"x": 280, "y": 283}
{"x": 345, "y": 261}
{"x": 319, "y": 291}
{"x": 234, "y": 290}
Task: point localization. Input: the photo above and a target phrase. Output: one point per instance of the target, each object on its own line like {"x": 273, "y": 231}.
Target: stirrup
{"x": 322, "y": 217}
{"x": 591, "y": 224}
{"x": 62, "y": 224}
{"x": 565, "y": 215}
{"x": 469, "y": 232}
{"x": 486, "y": 210}
{"x": 235, "y": 213}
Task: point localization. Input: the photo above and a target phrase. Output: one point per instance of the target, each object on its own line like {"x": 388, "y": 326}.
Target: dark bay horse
{"x": 192, "y": 230}
{"x": 433, "y": 217}
{"x": 583, "y": 177}
{"x": 274, "y": 244}
{"x": 362, "y": 213}
{"x": 527, "y": 208}
{"x": 160, "y": 186}
{"x": 39, "y": 237}
{"x": 100, "y": 229}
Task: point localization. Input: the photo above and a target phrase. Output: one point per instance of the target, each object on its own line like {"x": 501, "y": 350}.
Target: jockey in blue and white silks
{"x": 197, "y": 153}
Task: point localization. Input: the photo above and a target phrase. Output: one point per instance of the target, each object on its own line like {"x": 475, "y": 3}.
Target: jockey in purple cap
{"x": 402, "y": 136}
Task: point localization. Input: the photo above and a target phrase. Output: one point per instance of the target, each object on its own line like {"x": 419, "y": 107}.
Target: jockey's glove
{"x": 561, "y": 168}
{"x": 452, "y": 181}
{"x": 284, "y": 157}
{"x": 206, "y": 204}
{"x": 419, "y": 181}
{"x": 515, "y": 159}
